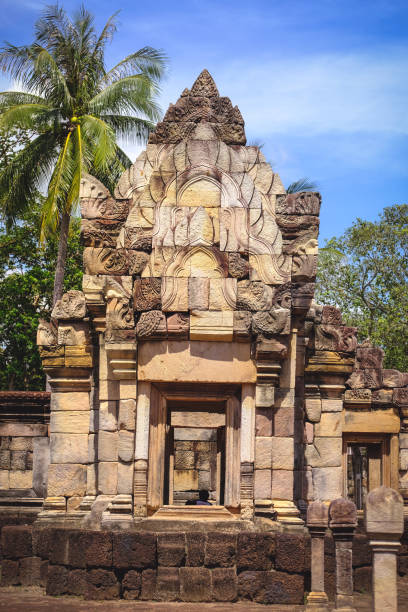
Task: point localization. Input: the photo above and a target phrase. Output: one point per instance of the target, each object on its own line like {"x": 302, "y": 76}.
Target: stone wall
{"x": 178, "y": 566}
{"x": 24, "y": 444}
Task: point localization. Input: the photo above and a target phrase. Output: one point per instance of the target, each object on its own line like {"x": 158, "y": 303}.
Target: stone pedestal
{"x": 343, "y": 521}
{"x": 317, "y": 523}
{"x": 384, "y": 522}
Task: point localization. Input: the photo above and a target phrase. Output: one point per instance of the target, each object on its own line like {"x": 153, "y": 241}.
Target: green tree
{"x": 26, "y": 292}
{"x": 76, "y": 109}
{"x": 365, "y": 272}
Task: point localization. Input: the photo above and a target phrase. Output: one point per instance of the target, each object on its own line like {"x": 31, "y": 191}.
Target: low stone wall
{"x": 189, "y": 566}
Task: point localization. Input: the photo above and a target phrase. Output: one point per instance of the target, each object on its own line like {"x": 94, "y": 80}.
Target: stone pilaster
{"x": 384, "y": 522}
{"x": 317, "y": 523}
{"x": 343, "y": 522}
{"x": 141, "y": 450}
{"x": 247, "y": 450}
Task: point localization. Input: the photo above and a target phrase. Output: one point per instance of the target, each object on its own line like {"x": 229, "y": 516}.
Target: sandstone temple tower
{"x": 195, "y": 357}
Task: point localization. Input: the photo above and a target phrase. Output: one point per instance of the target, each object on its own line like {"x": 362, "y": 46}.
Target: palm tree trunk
{"x": 61, "y": 258}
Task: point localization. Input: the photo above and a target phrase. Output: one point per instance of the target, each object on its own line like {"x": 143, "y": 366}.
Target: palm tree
{"x": 76, "y": 109}
{"x": 303, "y": 184}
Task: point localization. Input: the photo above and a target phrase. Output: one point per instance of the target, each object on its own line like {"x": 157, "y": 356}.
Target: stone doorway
{"x": 195, "y": 452}
{"x": 194, "y": 443}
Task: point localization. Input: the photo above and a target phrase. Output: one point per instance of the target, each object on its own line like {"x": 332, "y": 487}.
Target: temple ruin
{"x": 195, "y": 356}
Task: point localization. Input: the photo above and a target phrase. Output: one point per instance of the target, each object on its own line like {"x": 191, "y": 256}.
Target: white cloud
{"x": 355, "y": 92}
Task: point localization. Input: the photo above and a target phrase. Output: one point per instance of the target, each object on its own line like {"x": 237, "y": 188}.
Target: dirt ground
{"x": 32, "y": 599}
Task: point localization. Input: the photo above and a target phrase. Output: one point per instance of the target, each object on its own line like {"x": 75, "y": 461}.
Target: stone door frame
{"x": 160, "y": 393}
{"x": 389, "y": 455}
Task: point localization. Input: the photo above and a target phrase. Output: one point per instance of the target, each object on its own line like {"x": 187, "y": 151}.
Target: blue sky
{"x": 322, "y": 83}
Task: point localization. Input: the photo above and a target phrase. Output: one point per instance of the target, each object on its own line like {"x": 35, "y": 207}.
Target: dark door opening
{"x": 364, "y": 470}
{"x": 195, "y": 453}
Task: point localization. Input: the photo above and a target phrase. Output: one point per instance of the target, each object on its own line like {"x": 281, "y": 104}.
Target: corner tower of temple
{"x": 195, "y": 357}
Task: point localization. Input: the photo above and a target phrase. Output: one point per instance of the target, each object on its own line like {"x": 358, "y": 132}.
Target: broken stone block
{"x": 268, "y": 324}
{"x": 325, "y": 452}
{"x": 71, "y": 306}
{"x": 127, "y": 414}
{"x": 73, "y": 334}
{"x": 242, "y": 325}
{"x": 178, "y": 326}
{"x": 152, "y": 325}
{"x": 254, "y": 295}
{"x": 108, "y": 415}
{"x": 329, "y": 425}
{"x": 107, "y": 261}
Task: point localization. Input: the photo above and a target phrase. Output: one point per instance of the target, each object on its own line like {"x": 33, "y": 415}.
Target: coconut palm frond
{"x": 303, "y": 184}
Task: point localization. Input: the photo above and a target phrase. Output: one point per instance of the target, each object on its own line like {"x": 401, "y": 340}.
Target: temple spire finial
{"x": 204, "y": 85}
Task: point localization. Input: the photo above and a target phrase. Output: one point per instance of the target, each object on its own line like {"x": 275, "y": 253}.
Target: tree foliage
{"x": 75, "y": 109}
{"x": 365, "y": 272}
{"x": 26, "y": 290}
{"x": 302, "y": 184}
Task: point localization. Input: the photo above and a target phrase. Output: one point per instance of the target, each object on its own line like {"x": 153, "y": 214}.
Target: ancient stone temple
{"x": 195, "y": 357}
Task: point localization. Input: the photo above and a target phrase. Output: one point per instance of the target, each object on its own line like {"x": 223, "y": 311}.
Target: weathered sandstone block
{"x": 78, "y": 400}
{"x": 325, "y": 452}
{"x": 198, "y": 293}
{"x": 282, "y": 453}
{"x": 66, "y": 479}
{"x": 108, "y": 415}
{"x": 327, "y": 483}
{"x": 126, "y": 446}
{"x": 69, "y": 421}
{"x": 108, "y": 477}
{"x": 21, "y": 479}
{"x": 263, "y": 453}
{"x": 329, "y": 426}
{"x": 127, "y": 414}
{"x": 108, "y": 446}
{"x": 211, "y": 325}
{"x": 68, "y": 448}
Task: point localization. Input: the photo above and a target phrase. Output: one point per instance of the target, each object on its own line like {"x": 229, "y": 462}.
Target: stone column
{"x": 343, "y": 521}
{"x": 384, "y": 522}
{"x": 317, "y": 523}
